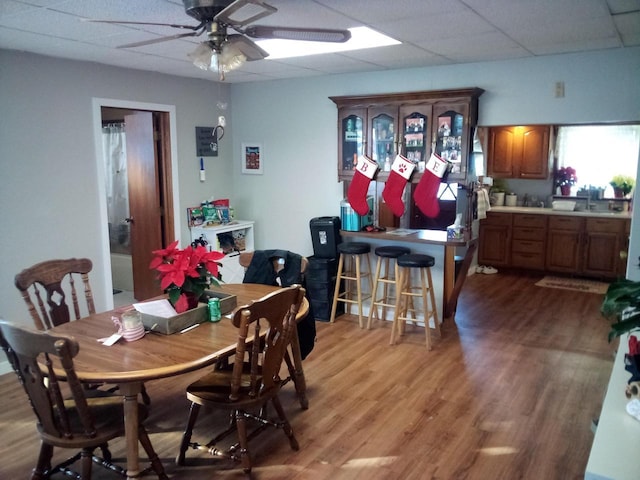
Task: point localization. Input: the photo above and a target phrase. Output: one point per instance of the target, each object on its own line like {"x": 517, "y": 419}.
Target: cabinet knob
{"x": 129, "y": 219}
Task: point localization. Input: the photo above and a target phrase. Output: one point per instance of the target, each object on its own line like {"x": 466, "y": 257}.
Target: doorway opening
{"x": 137, "y": 192}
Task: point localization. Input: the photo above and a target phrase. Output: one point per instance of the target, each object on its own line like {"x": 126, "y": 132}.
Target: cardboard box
{"x": 169, "y": 325}
{"x": 200, "y": 314}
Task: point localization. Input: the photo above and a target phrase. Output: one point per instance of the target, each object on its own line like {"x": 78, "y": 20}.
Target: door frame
{"x": 105, "y": 252}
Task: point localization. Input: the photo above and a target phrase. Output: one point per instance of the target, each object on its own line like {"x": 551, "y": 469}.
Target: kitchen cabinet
{"x": 495, "y": 240}
{"x": 231, "y": 239}
{"x": 519, "y": 152}
{"x": 528, "y": 242}
{"x": 564, "y": 244}
{"x": 604, "y": 240}
{"x": 413, "y": 124}
{"x": 589, "y": 246}
{"x": 571, "y": 244}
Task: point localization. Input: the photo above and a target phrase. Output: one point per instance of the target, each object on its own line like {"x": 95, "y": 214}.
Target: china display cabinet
{"x": 414, "y": 124}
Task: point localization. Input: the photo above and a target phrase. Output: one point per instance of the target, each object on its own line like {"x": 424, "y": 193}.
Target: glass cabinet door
{"x": 416, "y": 138}
{"x": 451, "y": 137}
{"x": 351, "y": 145}
{"x": 383, "y": 138}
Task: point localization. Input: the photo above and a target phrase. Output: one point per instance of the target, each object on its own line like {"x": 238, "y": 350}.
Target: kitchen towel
{"x": 483, "y": 205}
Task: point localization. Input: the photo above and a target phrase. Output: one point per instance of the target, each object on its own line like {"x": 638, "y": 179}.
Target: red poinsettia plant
{"x": 566, "y": 176}
{"x": 186, "y": 273}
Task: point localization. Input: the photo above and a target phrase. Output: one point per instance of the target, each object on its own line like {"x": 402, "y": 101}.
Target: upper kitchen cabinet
{"x": 519, "y": 152}
{"x": 413, "y": 124}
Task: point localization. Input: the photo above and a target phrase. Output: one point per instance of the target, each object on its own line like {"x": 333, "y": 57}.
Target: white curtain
{"x": 115, "y": 157}
{"x": 598, "y": 152}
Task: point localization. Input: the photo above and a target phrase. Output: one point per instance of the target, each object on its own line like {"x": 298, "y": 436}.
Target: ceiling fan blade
{"x": 244, "y": 12}
{"x": 123, "y": 22}
{"x": 159, "y": 39}
{"x": 292, "y": 33}
{"x": 248, "y": 48}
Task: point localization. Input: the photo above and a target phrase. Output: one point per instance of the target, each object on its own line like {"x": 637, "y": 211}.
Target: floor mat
{"x": 576, "y": 284}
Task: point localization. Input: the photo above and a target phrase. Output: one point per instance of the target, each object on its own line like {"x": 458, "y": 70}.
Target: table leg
{"x": 130, "y": 392}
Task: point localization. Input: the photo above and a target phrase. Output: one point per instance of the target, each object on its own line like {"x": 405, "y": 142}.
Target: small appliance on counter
{"x": 351, "y": 221}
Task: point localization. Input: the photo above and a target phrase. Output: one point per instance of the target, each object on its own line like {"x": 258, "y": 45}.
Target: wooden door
{"x": 494, "y": 244}
{"x": 502, "y": 143}
{"x": 534, "y": 162}
{"x": 144, "y": 201}
{"x": 603, "y": 246}
{"x": 564, "y": 244}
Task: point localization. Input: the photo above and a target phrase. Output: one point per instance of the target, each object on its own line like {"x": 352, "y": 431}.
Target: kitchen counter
{"x": 550, "y": 211}
{"x": 430, "y": 242}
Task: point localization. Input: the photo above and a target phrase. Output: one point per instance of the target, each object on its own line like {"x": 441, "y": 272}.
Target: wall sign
{"x": 207, "y": 141}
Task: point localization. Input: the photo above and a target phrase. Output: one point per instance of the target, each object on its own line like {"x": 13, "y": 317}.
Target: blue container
{"x": 349, "y": 218}
{"x": 351, "y": 221}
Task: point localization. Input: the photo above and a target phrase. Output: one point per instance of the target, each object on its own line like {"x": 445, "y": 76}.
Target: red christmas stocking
{"x": 426, "y": 193}
{"x": 401, "y": 170}
{"x": 357, "y": 193}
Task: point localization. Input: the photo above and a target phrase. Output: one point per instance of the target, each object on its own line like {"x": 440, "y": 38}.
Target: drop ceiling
{"x": 432, "y": 32}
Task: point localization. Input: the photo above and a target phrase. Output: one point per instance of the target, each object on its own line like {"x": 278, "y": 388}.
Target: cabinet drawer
{"x": 610, "y": 225}
{"x": 527, "y": 246}
{"x": 524, "y": 220}
{"x": 497, "y": 219}
{"x": 527, "y": 260}
{"x": 565, "y": 223}
{"x": 524, "y": 233}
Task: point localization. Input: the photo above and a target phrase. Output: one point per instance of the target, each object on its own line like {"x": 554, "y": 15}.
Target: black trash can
{"x": 320, "y": 283}
{"x": 325, "y": 235}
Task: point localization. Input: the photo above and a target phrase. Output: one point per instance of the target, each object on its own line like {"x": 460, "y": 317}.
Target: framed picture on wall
{"x": 252, "y": 158}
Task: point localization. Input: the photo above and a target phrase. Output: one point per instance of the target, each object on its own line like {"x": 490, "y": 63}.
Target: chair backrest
{"x": 277, "y": 313}
{"x": 246, "y": 257}
{"x": 55, "y": 277}
{"x": 30, "y": 352}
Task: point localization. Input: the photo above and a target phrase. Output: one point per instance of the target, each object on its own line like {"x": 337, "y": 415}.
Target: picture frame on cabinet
{"x": 252, "y": 158}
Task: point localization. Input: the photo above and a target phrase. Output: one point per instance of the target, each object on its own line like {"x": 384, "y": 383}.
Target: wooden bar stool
{"x": 386, "y": 256}
{"x": 407, "y": 292}
{"x": 349, "y": 270}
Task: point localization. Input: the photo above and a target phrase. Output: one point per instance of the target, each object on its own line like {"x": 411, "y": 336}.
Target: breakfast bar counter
{"x": 430, "y": 242}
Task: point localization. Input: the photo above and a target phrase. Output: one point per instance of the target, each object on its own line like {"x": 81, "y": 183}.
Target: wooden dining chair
{"x": 85, "y": 420}
{"x": 60, "y": 281}
{"x": 253, "y": 380}
{"x": 276, "y": 267}
{"x": 246, "y": 257}
{"x": 57, "y": 280}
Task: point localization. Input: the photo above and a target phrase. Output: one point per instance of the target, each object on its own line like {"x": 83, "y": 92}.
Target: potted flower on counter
{"x": 622, "y": 185}
{"x": 565, "y": 179}
{"x": 185, "y": 274}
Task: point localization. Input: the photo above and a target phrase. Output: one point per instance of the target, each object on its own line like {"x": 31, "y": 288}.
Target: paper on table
{"x": 158, "y": 308}
{"x": 401, "y": 232}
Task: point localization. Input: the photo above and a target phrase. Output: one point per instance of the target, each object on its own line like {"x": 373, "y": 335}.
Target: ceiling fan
{"x": 224, "y": 51}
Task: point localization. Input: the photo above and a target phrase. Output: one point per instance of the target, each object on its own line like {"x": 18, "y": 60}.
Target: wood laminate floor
{"x": 509, "y": 392}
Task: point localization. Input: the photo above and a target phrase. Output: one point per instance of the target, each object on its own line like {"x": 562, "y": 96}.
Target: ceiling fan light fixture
{"x": 229, "y": 59}
{"x": 201, "y": 56}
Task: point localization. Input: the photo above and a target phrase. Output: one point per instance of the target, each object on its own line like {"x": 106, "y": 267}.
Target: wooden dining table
{"x": 130, "y": 364}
